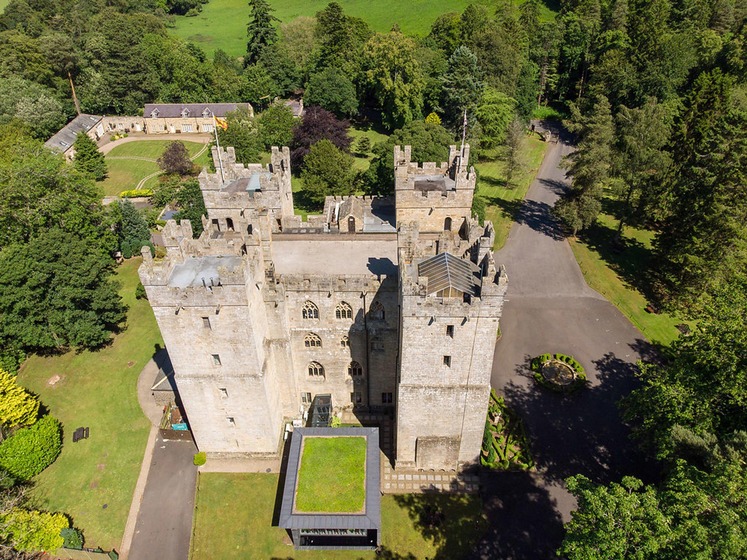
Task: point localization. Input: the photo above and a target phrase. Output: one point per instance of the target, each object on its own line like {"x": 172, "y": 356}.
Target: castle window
{"x": 315, "y": 369}
{"x": 447, "y": 361}
{"x": 345, "y": 342}
{"x": 249, "y": 229}
{"x": 186, "y": 127}
{"x": 306, "y": 398}
{"x": 386, "y": 398}
{"x": 450, "y": 330}
{"x": 376, "y": 312}
{"x": 447, "y": 224}
{"x": 310, "y": 310}
{"x": 229, "y": 224}
{"x": 356, "y": 397}
{"x": 343, "y": 311}
{"x": 216, "y": 359}
{"x": 223, "y": 392}
{"x": 312, "y": 340}
{"x": 355, "y": 369}
{"x": 206, "y": 322}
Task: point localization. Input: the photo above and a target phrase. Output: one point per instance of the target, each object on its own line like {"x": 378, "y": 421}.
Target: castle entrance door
{"x": 351, "y": 224}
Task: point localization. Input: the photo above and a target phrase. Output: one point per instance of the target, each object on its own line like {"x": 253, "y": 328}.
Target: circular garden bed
{"x": 558, "y": 372}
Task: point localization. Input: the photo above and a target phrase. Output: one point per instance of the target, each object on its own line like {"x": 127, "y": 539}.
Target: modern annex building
{"x": 385, "y": 304}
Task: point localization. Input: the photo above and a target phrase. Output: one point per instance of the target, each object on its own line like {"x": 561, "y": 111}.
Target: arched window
{"x": 344, "y": 311}
{"x": 447, "y": 224}
{"x": 376, "y": 312}
{"x": 315, "y": 369}
{"x": 310, "y": 310}
{"x": 345, "y": 342}
{"x": 312, "y": 340}
{"x": 229, "y": 224}
{"x": 355, "y": 369}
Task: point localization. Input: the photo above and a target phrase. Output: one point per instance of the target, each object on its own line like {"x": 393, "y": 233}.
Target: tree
{"x": 494, "y": 112}
{"x": 259, "y": 87}
{"x": 39, "y": 191}
{"x": 260, "y": 30}
{"x": 191, "y": 205}
{"x": 18, "y": 407}
{"x": 31, "y": 103}
{"x": 317, "y": 124}
{"x": 56, "y": 293}
{"x": 175, "y": 159}
{"x": 32, "y": 530}
{"x": 430, "y": 142}
{"x": 88, "y": 157}
{"x": 446, "y": 32}
{"x": 276, "y": 126}
{"x": 242, "y": 135}
{"x": 621, "y": 521}
{"x": 461, "y": 85}
{"x": 341, "y": 38}
{"x": 515, "y": 148}
{"x": 703, "y": 239}
{"x": 363, "y": 147}
{"x": 331, "y": 89}
{"x": 327, "y": 171}
{"x": 589, "y": 165}
{"x": 30, "y": 450}
{"x": 132, "y": 229}
{"x": 394, "y": 75}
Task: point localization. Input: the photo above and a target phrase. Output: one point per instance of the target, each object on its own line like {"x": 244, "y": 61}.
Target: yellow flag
{"x": 221, "y": 123}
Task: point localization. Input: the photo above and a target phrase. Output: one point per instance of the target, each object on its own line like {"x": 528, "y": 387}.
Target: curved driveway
{"x": 550, "y": 308}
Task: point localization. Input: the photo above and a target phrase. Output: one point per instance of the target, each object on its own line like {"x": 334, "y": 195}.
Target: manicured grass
{"x": 222, "y": 23}
{"x": 363, "y": 162}
{"x": 93, "y": 480}
{"x": 617, "y": 275}
{"x": 332, "y": 475}
{"x": 125, "y": 174}
{"x": 3, "y": 3}
{"x": 502, "y": 203}
{"x": 234, "y": 517}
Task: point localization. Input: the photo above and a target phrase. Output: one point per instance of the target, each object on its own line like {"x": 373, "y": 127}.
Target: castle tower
{"x": 450, "y": 311}
{"x": 438, "y": 198}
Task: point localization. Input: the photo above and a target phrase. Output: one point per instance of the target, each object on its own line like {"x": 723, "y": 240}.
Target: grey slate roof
{"x": 369, "y": 519}
{"x": 448, "y": 271}
{"x": 174, "y": 110}
{"x": 65, "y": 137}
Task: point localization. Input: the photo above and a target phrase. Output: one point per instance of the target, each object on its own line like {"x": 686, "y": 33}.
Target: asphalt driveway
{"x": 550, "y": 308}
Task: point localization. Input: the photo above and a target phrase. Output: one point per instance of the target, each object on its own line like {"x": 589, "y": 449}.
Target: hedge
{"x": 31, "y": 530}
{"x": 31, "y": 450}
{"x": 135, "y": 193}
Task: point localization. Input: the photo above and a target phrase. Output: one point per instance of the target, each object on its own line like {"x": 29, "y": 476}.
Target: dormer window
{"x": 185, "y": 112}
{"x": 206, "y": 113}
{"x": 154, "y": 113}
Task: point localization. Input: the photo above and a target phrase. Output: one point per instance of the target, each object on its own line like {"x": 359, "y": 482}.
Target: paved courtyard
{"x": 550, "y": 308}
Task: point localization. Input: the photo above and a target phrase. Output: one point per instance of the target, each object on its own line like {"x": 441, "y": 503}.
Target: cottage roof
{"x": 448, "y": 271}
{"x": 195, "y": 110}
{"x": 65, "y": 137}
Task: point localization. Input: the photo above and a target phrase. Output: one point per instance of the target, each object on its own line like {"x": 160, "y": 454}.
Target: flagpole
{"x": 217, "y": 145}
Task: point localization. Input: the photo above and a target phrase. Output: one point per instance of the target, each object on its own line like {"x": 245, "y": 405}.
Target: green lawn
{"x": 93, "y": 480}
{"x": 332, "y": 475}
{"x": 234, "y": 516}
{"x": 617, "y": 275}
{"x": 502, "y": 203}
{"x": 222, "y": 23}
{"x": 125, "y": 174}
{"x": 3, "y": 3}
{"x": 362, "y": 163}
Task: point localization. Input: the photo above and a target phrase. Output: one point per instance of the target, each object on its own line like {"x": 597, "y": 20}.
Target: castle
{"x": 388, "y": 305}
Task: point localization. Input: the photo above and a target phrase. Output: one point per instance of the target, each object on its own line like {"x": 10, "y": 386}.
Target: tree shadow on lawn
{"x": 583, "y": 432}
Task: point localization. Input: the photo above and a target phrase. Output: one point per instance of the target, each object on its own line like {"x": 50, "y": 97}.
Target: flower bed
{"x": 504, "y": 444}
{"x": 558, "y": 372}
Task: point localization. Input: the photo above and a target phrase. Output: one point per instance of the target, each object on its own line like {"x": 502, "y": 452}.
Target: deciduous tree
{"x": 333, "y": 90}
{"x": 175, "y": 159}
{"x": 276, "y": 126}
{"x": 327, "y": 171}
{"x": 317, "y": 124}
{"x": 18, "y": 407}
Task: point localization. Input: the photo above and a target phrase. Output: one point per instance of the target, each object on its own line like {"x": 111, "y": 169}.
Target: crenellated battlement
{"x": 343, "y": 283}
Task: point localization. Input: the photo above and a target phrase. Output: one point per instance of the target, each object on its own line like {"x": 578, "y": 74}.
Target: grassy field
{"x": 93, "y": 480}
{"x": 3, "y": 3}
{"x": 362, "y": 163}
{"x": 222, "y": 23}
{"x": 234, "y": 517}
{"x": 332, "y": 486}
{"x": 617, "y": 274}
{"x": 124, "y": 174}
{"x": 501, "y": 202}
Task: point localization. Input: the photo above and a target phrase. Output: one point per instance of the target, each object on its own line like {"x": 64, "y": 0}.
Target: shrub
{"x": 200, "y": 458}
{"x": 335, "y": 422}
{"x": 32, "y": 530}
{"x": 140, "y": 291}
{"x": 72, "y": 538}
{"x": 31, "y": 450}
{"x": 135, "y": 193}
